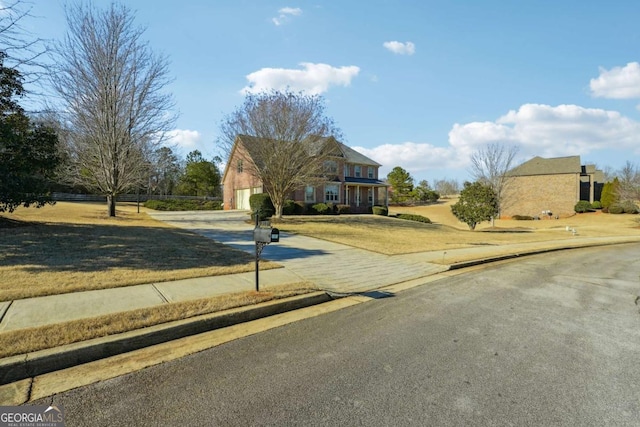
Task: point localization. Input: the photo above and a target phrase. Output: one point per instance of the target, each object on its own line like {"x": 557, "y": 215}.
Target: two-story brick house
{"x": 552, "y": 186}
{"x": 350, "y": 178}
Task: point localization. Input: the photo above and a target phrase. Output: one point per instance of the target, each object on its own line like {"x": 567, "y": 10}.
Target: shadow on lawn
{"x": 85, "y": 248}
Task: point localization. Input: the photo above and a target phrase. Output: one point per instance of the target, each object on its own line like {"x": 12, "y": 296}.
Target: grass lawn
{"x": 72, "y": 247}
{"x": 23, "y": 341}
{"x": 394, "y": 236}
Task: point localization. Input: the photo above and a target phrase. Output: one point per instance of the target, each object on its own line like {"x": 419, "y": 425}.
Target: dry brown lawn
{"x": 23, "y": 341}
{"x": 72, "y": 247}
{"x": 395, "y": 236}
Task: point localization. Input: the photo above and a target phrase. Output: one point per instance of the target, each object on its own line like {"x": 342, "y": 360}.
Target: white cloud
{"x": 547, "y": 131}
{"x": 313, "y": 78}
{"x": 184, "y": 138}
{"x": 285, "y": 15}
{"x": 618, "y": 82}
{"x": 400, "y": 48}
{"x": 414, "y": 157}
{"x": 538, "y": 130}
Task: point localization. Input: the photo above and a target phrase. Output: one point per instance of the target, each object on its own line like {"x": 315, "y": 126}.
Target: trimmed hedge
{"x": 522, "y": 218}
{"x": 321, "y": 209}
{"x": 413, "y": 217}
{"x": 596, "y": 205}
{"x": 616, "y": 209}
{"x": 343, "y": 209}
{"x": 380, "y": 210}
{"x": 183, "y": 205}
{"x": 582, "y": 206}
{"x": 261, "y": 203}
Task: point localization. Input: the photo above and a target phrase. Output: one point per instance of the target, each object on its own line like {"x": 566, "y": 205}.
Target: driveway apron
{"x": 331, "y": 266}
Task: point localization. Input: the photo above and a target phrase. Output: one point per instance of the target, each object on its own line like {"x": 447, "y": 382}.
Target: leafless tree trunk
{"x": 489, "y": 166}
{"x": 114, "y": 106}
{"x": 284, "y": 134}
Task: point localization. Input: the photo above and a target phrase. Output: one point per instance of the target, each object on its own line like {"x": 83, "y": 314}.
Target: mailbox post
{"x": 263, "y": 236}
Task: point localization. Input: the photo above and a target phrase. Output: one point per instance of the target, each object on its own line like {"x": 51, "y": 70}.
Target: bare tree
{"x": 23, "y": 50}
{"x": 286, "y": 138}
{"x": 115, "y": 107}
{"x": 629, "y": 178}
{"x": 490, "y": 164}
{"x": 447, "y": 187}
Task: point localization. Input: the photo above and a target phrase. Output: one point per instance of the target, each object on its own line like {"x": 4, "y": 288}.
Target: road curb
{"x": 472, "y": 263}
{"x": 20, "y": 367}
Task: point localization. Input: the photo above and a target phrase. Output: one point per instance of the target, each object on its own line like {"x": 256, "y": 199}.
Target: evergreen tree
{"x": 478, "y": 202}
{"x": 28, "y": 151}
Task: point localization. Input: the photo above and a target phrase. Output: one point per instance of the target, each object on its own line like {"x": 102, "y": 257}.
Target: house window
{"x": 346, "y": 170}
{"x": 370, "y": 196}
{"x": 370, "y": 172}
{"x": 309, "y": 194}
{"x": 358, "y": 171}
{"x": 240, "y": 166}
{"x": 331, "y": 193}
{"x": 330, "y": 166}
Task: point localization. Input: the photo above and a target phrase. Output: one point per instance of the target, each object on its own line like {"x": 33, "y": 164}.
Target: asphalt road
{"x": 547, "y": 340}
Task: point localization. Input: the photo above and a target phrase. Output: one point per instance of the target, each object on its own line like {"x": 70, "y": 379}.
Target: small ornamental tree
{"x": 609, "y": 193}
{"x": 477, "y": 203}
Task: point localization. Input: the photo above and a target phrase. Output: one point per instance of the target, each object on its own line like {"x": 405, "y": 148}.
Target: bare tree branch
{"x": 490, "y": 164}
{"x": 284, "y": 135}
{"x": 112, "y": 88}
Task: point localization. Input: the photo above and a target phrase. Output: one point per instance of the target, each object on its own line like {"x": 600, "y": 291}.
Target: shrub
{"x": 413, "y": 217}
{"x": 300, "y": 208}
{"x": 522, "y": 218}
{"x": 582, "y": 206}
{"x": 320, "y": 209}
{"x": 289, "y": 207}
{"x": 332, "y": 208}
{"x": 596, "y": 205}
{"x": 261, "y": 203}
{"x": 380, "y": 210}
{"x": 343, "y": 209}
{"x": 629, "y": 207}
{"x": 183, "y": 205}
{"x": 616, "y": 209}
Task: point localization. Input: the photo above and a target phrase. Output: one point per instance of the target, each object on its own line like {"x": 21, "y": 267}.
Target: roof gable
{"x": 552, "y": 166}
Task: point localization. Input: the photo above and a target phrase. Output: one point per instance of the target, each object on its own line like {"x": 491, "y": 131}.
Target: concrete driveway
{"x": 331, "y": 266}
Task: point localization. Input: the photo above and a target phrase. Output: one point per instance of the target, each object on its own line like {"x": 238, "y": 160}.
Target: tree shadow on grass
{"x": 86, "y": 248}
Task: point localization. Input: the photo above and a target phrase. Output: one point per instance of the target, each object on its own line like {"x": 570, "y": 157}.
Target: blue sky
{"x": 418, "y": 84}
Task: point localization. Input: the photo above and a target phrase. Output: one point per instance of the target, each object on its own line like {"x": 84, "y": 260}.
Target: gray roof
{"x": 352, "y": 156}
{"x": 553, "y": 166}
{"x": 349, "y": 154}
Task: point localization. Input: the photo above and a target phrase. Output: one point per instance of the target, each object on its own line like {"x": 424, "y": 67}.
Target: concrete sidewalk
{"x": 332, "y": 267}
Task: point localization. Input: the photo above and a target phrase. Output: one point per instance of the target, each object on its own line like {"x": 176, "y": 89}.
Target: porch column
{"x": 346, "y": 194}
{"x": 358, "y": 196}
{"x": 591, "y": 189}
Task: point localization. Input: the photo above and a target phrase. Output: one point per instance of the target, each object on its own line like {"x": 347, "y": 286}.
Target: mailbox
{"x": 266, "y": 235}
{"x": 262, "y": 235}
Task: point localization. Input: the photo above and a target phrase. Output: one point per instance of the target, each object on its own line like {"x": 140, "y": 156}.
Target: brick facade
{"x": 531, "y": 195}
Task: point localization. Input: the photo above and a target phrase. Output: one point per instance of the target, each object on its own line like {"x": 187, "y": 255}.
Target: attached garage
{"x": 242, "y": 197}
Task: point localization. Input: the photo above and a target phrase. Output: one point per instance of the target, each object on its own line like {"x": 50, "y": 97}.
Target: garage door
{"x": 242, "y": 199}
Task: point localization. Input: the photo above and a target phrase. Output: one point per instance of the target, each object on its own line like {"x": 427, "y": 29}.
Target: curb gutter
{"x": 29, "y": 365}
